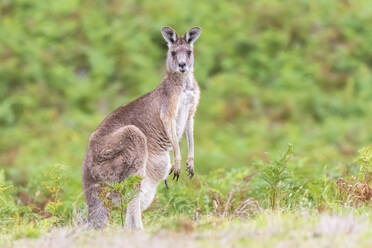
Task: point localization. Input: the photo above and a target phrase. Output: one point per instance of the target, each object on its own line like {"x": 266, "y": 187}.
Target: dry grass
{"x": 268, "y": 229}
{"x": 61, "y": 238}
{"x": 227, "y": 208}
{"x": 354, "y": 193}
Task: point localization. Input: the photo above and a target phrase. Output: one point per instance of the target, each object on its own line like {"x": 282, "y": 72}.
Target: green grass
{"x": 237, "y": 199}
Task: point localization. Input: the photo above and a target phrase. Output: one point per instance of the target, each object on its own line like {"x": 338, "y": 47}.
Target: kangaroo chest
{"x": 185, "y": 103}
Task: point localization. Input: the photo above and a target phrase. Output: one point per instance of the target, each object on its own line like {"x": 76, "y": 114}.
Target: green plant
{"x": 8, "y": 207}
{"x": 275, "y": 175}
{"x": 54, "y": 181}
{"x": 125, "y": 190}
{"x": 365, "y": 161}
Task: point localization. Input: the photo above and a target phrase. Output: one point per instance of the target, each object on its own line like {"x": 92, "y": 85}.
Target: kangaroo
{"x": 136, "y": 138}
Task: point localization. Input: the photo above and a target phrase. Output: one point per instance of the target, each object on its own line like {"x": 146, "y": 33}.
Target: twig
{"x": 228, "y": 203}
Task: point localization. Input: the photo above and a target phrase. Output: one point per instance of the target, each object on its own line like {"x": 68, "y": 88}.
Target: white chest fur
{"x": 185, "y": 102}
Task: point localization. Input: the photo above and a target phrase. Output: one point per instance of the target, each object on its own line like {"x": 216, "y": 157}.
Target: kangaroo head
{"x": 180, "y": 57}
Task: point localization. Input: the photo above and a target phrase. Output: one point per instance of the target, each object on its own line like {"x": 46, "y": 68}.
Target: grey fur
{"x": 136, "y": 138}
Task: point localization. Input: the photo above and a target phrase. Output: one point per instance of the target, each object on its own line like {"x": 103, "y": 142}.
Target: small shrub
{"x": 365, "y": 161}
{"x": 358, "y": 191}
{"x": 125, "y": 191}
{"x": 53, "y": 183}
{"x": 275, "y": 174}
{"x": 8, "y": 207}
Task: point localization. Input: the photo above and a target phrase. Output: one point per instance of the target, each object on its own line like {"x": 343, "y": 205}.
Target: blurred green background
{"x": 270, "y": 72}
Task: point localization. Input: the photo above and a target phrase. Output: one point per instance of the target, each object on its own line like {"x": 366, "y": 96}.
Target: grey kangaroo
{"x": 136, "y": 138}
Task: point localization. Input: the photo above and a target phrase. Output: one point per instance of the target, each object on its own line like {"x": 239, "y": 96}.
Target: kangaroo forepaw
{"x": 176, "y": 174}
{"x": 190, "y": 167}
{"x": 176, "y": 170}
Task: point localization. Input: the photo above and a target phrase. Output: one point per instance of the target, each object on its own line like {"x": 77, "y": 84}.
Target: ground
{"x": 267, "y": 229}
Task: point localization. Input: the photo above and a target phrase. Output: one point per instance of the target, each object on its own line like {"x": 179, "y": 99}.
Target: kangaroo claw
{"x": 190, "y": 172}
{"x": 176, "y": 176}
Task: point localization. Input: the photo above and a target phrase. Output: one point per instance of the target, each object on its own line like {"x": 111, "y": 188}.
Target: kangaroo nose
{"x": 182, "y": 65}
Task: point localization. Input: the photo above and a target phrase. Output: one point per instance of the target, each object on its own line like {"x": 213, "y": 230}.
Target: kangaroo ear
{"x": 169, "y": 35}
{"x": 192, "y": 35}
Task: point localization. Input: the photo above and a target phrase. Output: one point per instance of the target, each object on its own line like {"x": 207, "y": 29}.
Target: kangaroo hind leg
{"x": 122, "y": 153}
{"x": 119, "y": 155}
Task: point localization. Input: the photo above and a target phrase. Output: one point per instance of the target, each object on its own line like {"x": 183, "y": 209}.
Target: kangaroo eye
{"x": 188, "y": 53}
{"x": 173, "y": 53}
